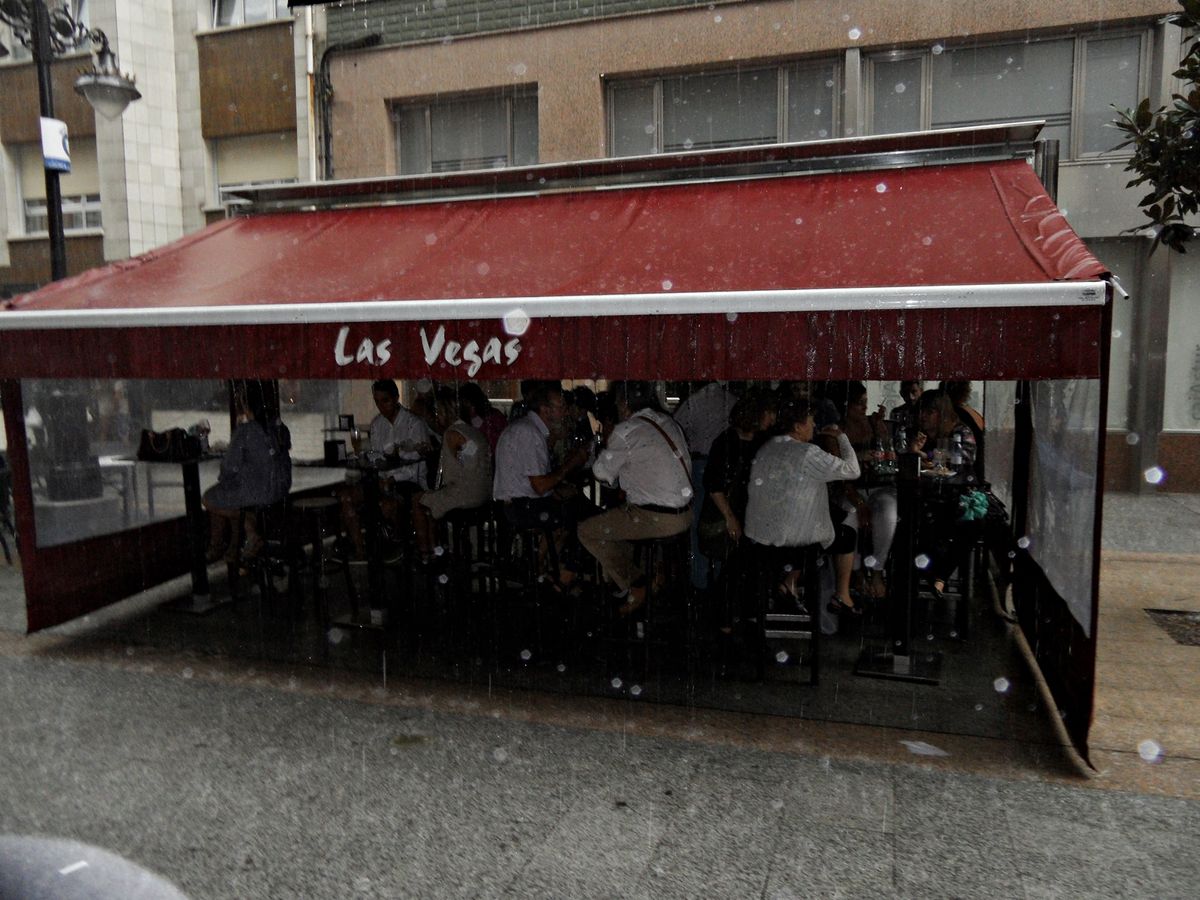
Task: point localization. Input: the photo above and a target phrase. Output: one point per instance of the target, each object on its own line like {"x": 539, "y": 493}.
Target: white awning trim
{"x": 1072, "y": 293}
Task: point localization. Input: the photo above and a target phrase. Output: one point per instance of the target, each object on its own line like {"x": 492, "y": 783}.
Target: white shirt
{"x": 522, "y": 451}
{"x": 789, "y": 501}
{"x": 639, "y": 458}
{"x": 704, "y": 415}
{"x": 407, "y": 431}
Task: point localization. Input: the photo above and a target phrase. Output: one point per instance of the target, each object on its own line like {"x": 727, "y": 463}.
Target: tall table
{"x": 899, "y": 660}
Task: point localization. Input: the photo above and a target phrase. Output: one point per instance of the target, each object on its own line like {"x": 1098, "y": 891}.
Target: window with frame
{"x": 704, "y": 110}
{"x": 247, "y": 12}
{"x": 80, "y": 213}
{"x": 1071, "y": 82}
{"x": 479, "y": 131}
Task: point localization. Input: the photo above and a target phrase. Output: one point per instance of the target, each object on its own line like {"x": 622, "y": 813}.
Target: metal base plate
{"x": 919, "y": 668}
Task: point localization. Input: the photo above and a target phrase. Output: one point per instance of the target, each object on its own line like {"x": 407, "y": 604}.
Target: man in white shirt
{"x": 404, "y": 438}
{"x": 703, "y": 415}
{"x": 647, "y": 456}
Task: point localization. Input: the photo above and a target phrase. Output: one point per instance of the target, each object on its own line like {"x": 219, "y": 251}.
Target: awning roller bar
{"x": 510, "y": 309}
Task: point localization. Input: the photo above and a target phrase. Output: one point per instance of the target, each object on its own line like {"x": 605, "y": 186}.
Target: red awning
{"x": 886, "y": 266}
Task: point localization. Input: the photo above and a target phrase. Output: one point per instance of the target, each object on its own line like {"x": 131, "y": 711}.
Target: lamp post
{"x": 74, "y": 473}
{"x": 47, "y": 32}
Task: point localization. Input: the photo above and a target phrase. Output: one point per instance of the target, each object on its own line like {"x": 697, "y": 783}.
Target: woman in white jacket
{"x": 789, "y": 496}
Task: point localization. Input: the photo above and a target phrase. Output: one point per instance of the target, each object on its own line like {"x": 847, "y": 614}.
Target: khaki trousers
{"x": 609, "y": 537}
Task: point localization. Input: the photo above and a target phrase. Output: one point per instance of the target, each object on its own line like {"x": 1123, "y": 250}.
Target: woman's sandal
{"x": 837, "y": 607}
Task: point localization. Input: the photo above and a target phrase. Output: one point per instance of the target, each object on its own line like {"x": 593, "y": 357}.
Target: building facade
{"x": 463, "y": 84}
{"x": 239, "y": 91}
{"x": 225, "y": 101}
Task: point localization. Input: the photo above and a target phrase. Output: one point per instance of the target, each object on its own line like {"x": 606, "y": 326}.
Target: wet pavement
{"x": 235, "y": 777}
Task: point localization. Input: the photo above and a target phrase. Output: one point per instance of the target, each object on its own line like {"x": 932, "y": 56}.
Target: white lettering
{"x": 433, "y": 350}
{"x": 339, "y": 349}
{"x": 452, "y": 350}
{"x": 366, "y": 352}
{"x": 491, "y": 351}
{"x": 471, "y": 355}
{"x": 383, "y": 350}
{"x": 511, "y": 351}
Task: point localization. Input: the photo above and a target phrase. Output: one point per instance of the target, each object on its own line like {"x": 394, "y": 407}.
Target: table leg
{"x": 197, "y": 531}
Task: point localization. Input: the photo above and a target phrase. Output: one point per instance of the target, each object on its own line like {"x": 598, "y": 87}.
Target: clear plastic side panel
{"x": 1062, "y": 497}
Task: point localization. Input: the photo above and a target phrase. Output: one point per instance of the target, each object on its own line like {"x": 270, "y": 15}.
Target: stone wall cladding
{"x": 408, "y": 22}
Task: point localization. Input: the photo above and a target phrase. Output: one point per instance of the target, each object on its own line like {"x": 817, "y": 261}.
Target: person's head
{"x": 910, "y": 391}
{"x": 633, "y": 396}
{"x": 252, "y": 399}
{"x": 447, "y": 407}
{"x": 936, "y": 414}
{"x": 387, "y": 397}
{"x": 856, "y": 398}
{"x": 796, "y": 420}
{"x": 582, "y": 400}
{"x": 546, "y": 399}
{"x": 754, "y": 412}
{"x": 959, "y": 392}
{"x": 474, "y": 401}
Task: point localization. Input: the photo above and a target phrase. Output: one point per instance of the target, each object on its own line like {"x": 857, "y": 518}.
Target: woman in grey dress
{"x": 256, "y": 471}
{"x": 464, "y": 471}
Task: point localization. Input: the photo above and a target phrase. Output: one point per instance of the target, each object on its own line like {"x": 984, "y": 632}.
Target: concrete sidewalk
{"x": 244, "y": 779}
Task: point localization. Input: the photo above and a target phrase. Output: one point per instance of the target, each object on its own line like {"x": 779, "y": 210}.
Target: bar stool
{"x": 314, "y": 514}
{"x": 666, "y": 563}
{"x": 471, "y": 542}
{"x": 781, "y": 625}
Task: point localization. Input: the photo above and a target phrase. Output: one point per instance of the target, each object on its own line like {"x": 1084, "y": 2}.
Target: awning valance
{"x": 870, "y": 273}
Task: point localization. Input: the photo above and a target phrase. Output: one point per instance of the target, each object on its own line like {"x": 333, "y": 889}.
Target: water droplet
{"x": 731, "y": 317}
{"x": 635, "y": 690}
{"x": 1154, "y": 475}
{"x": 1117, "y": 334}
{"x": 1132, "y": 438}
{"x": 438, "y": 551}
{"x": 443, "y": 578}
{"x": 1001, "y": 685}
{"x": 871, "y": 562}
{"x": 1023, "y": 542}
{"x": 687, "y": 492}
{"x": 430, "y": 239}
{"x": 520, "y": 68}
{"x": 881, "y": 188}
{"x": 717, "y": 18}
{"x": 650, "y": 129}
{"x": 483, "y": 268}
{"x": 854, "y": 34}
{"x": 526, "y": 655}
{"x": 1150, "y": 751}
{"x": 978, "y": 707}
{"x": 688, "y": 143}
{"x": 781, "y": 656}
{"x": 758, "y": 482}
{"x": 927, "y": 241}
{"x": 616, "y": 682}
{"x": 187, "y": 673}
{"x": 667, "y": 285}
{"x": 799, "y": 221}
{"x": 560, "y": 667}
{"x": 335, "y": 636}
{"x": 900, "y": 87}
{"x": 1012, "y": 555}
{"x": 516, "y": 322}
{"x": 937, "y": 49}
{"x": 922, "y": 561}
{"x": 500, "y": 754}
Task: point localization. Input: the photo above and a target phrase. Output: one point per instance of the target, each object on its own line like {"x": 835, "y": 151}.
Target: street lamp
{"x": 47, "y": 32}
{"x": 74, "y": 473}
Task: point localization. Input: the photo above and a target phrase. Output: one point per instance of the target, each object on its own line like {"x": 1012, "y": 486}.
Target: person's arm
{"x": 543, "y": 484}
{"x": 829, "y": 468}
{"x": 235, "y": 454}
{"x": 612, "y": 457}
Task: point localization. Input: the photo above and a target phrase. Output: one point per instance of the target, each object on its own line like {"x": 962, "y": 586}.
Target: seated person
{"x": 256, "y": 471}
{"x": 478, "y": 412}
{"x": 959, "y": 393}
{"x": 905, "y": 416}
{"x": 869, "y": 435}
{"x": 525, "y": 477}
{"x": 950, "y": 541}
{"x": 789, "y": 502}
{"x": 403, "y": 437}
{"x": 646, "y": 455}
{"x": 464, "y": 479}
